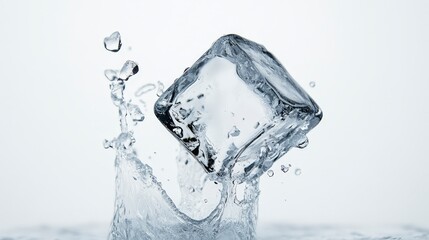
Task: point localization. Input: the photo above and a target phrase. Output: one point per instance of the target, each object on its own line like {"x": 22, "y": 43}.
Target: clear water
{"x": 268, "y": 232}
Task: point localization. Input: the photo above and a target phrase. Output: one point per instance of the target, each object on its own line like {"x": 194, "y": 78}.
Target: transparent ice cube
{"x": 237, "y": 109}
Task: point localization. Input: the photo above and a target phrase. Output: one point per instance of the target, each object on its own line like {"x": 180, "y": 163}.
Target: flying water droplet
{"x": 284, "y": 168}
{"x": 312, "y": 84}
{"x": 144, "y": 89}
{"x": 234, "y": 132}
{"x": 191, "y": 189}
{"x": 113, "y": 42}
{"x": 298, "y": 171}
{"x": 206, "y": 201}
{"x": 107, "y": 144}
{"x": 160, "y": 90}
{"x": 129, "y": 69}
{"x": 303, "y": 143}
{"x": 135, "y": 113}
{"x": 270, "y": 173}
{"x": 111, "y": 75}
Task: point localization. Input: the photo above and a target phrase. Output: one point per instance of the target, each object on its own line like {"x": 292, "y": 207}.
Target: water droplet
{"x": 303, "y": 143}
{"x": 191, "y": 189}
{"x": 178, "y": 131}
{"x": 135, "y": 113}
{"x": 124, "y": 141}
{"x": 312, "y": 84}
{"x": 200, "y": 96}
{"x": 129, "y": 69}
{"x": 270, "y": 173}
{"x": 111, "y": 75}
{"x": 284, "y": 168}
{"x": 107, "y": 144}
{"x": 113, "y": 42}
{"x": 144, "y": 89}
{"x": 160, "y": 89}
{"x": 298, "y": 171}
{"x": 206, "y": 201}
{"x": 234, "y": 132}
{"x": 117, "y": 92}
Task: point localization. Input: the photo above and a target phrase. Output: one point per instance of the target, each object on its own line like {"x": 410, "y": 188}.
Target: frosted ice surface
{"x": 237, "y": 84}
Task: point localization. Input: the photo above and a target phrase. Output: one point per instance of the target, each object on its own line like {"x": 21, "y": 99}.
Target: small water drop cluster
{"x": 117, "y": 80}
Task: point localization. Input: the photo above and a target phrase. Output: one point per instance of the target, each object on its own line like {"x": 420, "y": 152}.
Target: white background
{"x": 367, "y": 162}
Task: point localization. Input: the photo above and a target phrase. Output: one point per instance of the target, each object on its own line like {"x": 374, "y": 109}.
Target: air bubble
{"x": 312, "y": 84}
{"x": 298, "y": 171}
{"x": 270, "y": 173}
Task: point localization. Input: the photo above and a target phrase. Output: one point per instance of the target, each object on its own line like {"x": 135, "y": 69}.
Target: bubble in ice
{"x": 312, "y": 84}
{"x": 284, "y": 168}
{"x": 178, "y": 131}
{"x": 160, "y": 89}
{"x": 144, "y": 89}
{"x": 234, "y": 132}
{"x": 129, "y": 69}
{"x": 270, "y": 173}
{"x": 298, "y": 171}
{"x": 113, "y": 42}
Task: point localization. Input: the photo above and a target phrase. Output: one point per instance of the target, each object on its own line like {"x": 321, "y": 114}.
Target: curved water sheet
{"x": 234, "y": 115}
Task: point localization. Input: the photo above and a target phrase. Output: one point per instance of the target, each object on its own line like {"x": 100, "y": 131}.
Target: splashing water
{"x": 210, "y": 205}
{"x": 143, "y": 210}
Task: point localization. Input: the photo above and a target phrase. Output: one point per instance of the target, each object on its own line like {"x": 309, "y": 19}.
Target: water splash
{"x": 214, "y": 206}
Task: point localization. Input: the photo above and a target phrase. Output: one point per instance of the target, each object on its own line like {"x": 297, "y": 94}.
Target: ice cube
{"x": 237, "y": 84}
